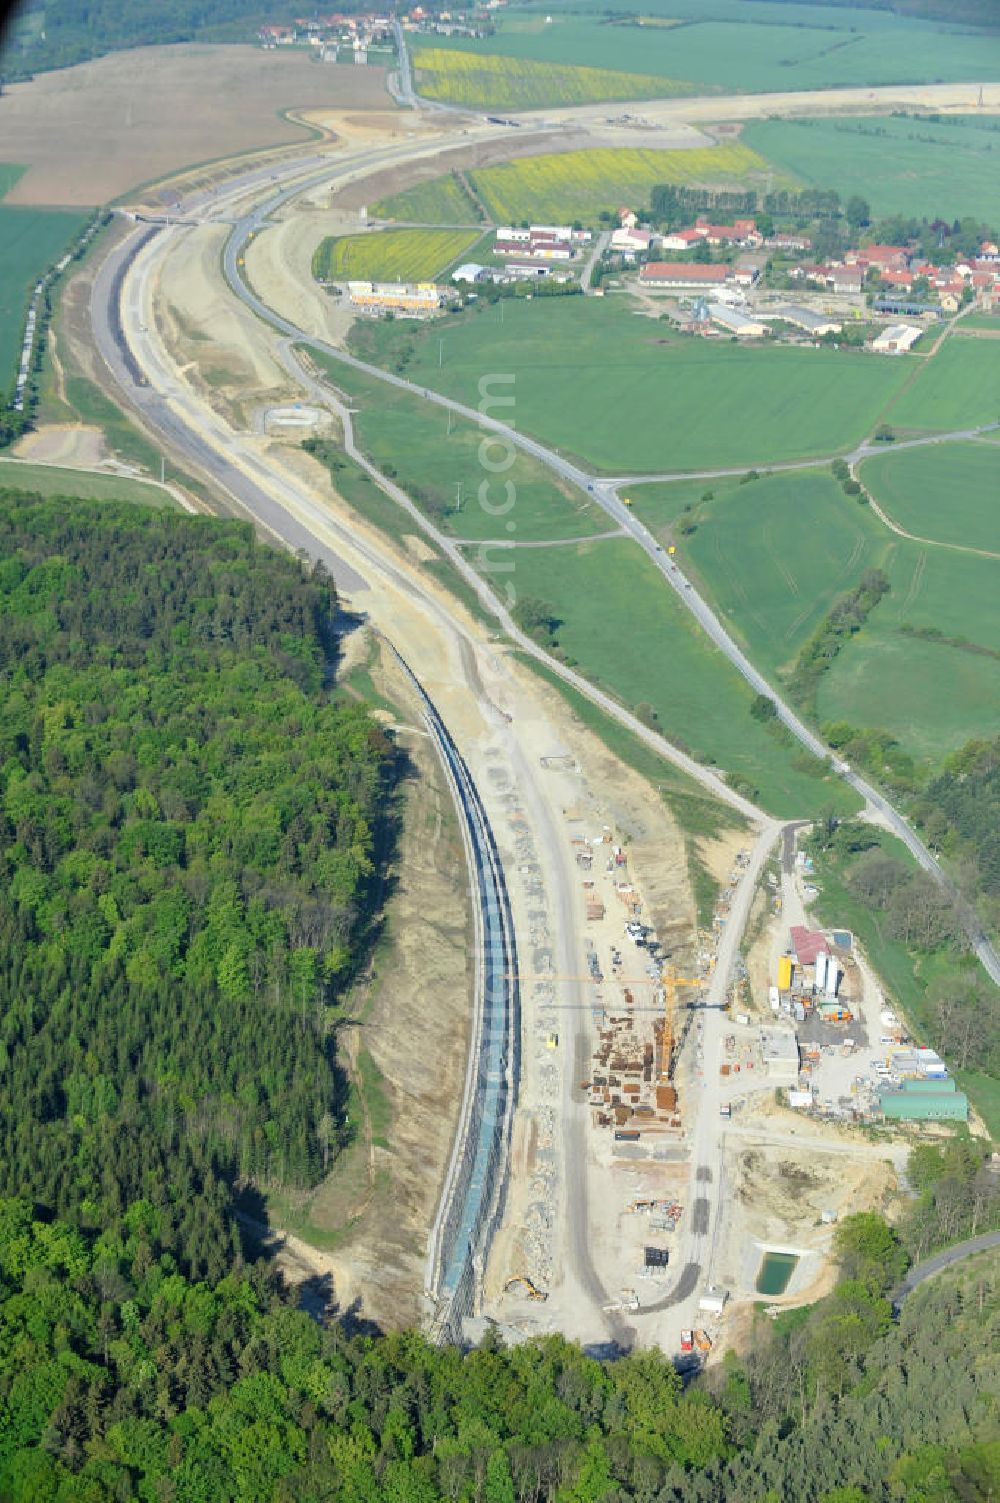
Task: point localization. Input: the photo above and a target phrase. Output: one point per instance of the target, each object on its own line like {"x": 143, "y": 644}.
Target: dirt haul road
{"x": 500, "y": 719}
{"x": 506, "y": 771}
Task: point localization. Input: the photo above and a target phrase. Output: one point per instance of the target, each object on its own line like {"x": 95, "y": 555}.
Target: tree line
{"x": 121, "y": 1378}
{"x": 189, "y": 831}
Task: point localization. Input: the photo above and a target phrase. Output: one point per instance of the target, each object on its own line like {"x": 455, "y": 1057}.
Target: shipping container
{"x": 784, "y": 973}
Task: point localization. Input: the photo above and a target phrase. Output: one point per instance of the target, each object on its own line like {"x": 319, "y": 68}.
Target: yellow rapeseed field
{"x": 515, "y": 83}
{"x": 572, "y": 185}
{"x": 390, "y": 255}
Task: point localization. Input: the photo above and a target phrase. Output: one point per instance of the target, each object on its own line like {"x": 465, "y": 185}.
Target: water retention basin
{"x": 776, "y": 1270}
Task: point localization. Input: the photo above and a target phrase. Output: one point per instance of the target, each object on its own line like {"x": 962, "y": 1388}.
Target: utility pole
{"x": 163, "y": 469}
{"x": 458, "y": 495}
{"x": 440, "y": 353}
{"x": 450, "y": 416}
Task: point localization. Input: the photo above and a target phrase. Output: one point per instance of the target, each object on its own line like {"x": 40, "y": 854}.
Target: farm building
{"x": 520, "y": 271}
{"x": 682, "y": 276}
{"x": 908, "y": 306}
{"x": 896, "y": 339}
{"x": 681, "y": 240}
{"x": 788, "y": 242}
{"x": 735, "y": 322}
{"x": 632, "y": 241}
{"x": 805, "y": 318}
{"x": 470, "y": 271}
{"x": 541, "y": 250}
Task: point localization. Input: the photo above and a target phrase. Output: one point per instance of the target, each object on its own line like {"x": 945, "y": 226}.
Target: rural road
{"x": 131, "y": 349}
{"x": 289, "y": 515}
{"x": 605, "y": 494}
{"x": 930, "y": 1266}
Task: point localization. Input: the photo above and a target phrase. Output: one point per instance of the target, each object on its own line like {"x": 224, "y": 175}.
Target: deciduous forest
{"x": 120, "y": 1378}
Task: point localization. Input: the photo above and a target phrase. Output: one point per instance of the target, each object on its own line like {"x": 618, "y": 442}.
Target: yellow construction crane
{"x": 670, "y": 984}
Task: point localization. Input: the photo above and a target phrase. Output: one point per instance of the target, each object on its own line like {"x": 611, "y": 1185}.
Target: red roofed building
{"x": 681, "y": 274}
{"x": 891, "y": 257}
{"x": 741, "y": 232}
{"x": 808, "y": 943}
{"x": 894, "y": 278}
{"x": 681, "y": 239}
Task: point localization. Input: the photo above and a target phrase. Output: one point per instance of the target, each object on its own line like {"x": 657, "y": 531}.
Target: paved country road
{"x": 930, "y": 1266}
{"x": 605, "y": 494}
{"x": 163, "y": 409}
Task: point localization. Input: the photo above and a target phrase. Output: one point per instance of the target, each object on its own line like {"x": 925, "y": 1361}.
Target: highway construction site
{"x": 602, "y": 1175}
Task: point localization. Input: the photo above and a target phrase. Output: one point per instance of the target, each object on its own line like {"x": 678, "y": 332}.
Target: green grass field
{"x": 774, "y": 555}
{"x": 988, "y": 321}
{"x": 30, "y": 241}
{"x": 391, "y": 255}
{"x": 628, "y": 632}
{"x": 570, "y": 185}
{"x": 933, "y": 696}
{"x": 819, "y": 47}
{"x": 771, "y": 555}
{"x": 947, "y": 492}
{"x": 619, "y": 390}
{"x": 457, "y": 475}
{"x": 443, "y": 200}
{"x": 958, "y": 389}
{"x": 52, "y": 480}
{"x": 945, "y": 169}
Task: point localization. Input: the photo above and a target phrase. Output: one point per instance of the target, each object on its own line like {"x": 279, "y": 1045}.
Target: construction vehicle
{"x": 687, "y": 1341}
{"x": 531, "y": 1289}
{"x": 703, "y": 1341}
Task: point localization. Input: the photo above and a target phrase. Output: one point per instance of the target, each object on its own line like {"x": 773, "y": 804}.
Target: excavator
{"x": 530, "y": 1288}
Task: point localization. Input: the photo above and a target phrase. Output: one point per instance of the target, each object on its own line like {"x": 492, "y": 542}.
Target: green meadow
{"x": 958, "y": 389}
{"x": 948, "y": 167}
{"x": 626, "y": 395}
{"x": 622, "y": 626}
{"x": 30, "y": 241}
{"x": 743, "y": 49}
{"x": 462, "y": 486}
{"x": 949, "y": 493}
{"x": 53, "y": 480}
{"x": 774, "y": 555}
